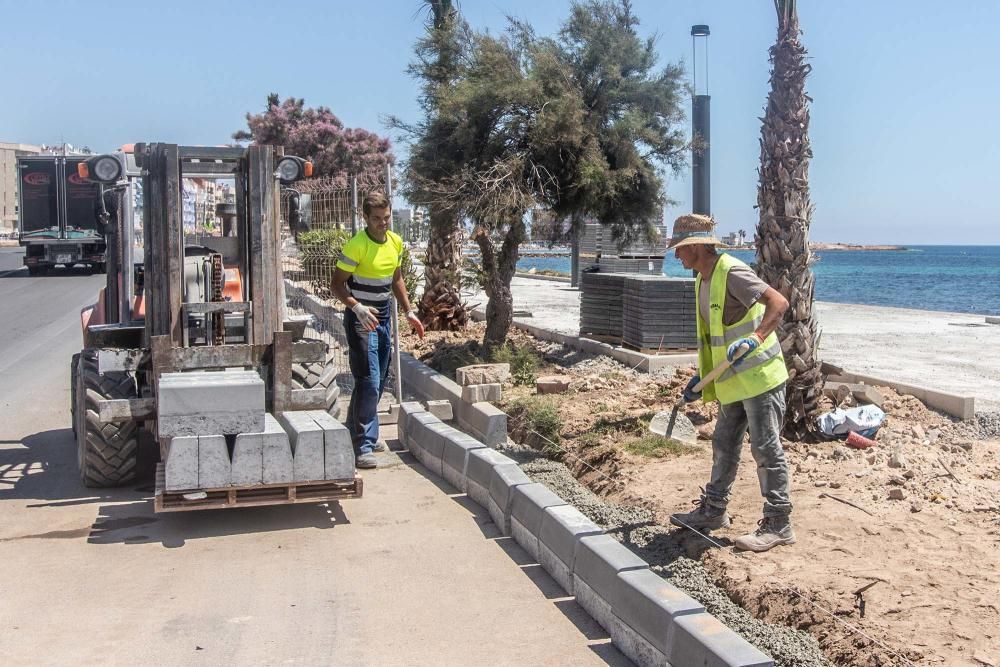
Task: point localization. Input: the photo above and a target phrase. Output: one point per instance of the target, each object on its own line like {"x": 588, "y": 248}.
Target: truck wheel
{"x": 74, "y": 371}
{"x": 99, "y": 267}
{"x": 36, "y": 270}
{"x": 106, "y": 453}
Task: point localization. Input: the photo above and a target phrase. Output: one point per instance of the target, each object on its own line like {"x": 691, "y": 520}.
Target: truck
{"x": 59, "y": 215}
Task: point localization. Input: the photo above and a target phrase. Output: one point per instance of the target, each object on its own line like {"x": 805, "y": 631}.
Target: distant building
{"x": 735, "y": 240}
{"x": 8, "y": 182}
{"x": 409, "y": 223}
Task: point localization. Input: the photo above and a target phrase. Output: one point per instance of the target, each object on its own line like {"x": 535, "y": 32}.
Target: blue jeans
{"x": 369, "y": 353}
{"x": 763, "y": 415}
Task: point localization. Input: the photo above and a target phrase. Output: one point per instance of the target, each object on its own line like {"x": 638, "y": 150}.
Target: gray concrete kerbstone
{"x": 506, "y": 477}
{"x": 338, "y": 448}
{"x": 181, "y": 469}
{"x": 209, "y": 402}
{"x": 562, "y": 526}
{"x": 455, "y": 457}
{"x": 306, "y": 439}
{"x": 597, "y": 562}
{"x": 527, "y": 510}
{"x": 487, "y": 422}
{"x": 277, "y": 452}
{"x": 406, "y": 410}
{"x": 431, "y": 448}
{"x": 479, "y": 472}
{"x": 214, "y": 467}
{"x": 648, "y": 604}
{"x": 416, "y": 437}
{"x": 477, "y": 393}
{"x": 248, "y": 459}
{"x": 701, "y": 639}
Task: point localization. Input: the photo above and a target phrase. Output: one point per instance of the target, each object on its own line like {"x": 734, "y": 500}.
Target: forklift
{"x": 199, "y": 314}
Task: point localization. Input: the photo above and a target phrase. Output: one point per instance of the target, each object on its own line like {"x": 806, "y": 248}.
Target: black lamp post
{"x": 701, "y": 172}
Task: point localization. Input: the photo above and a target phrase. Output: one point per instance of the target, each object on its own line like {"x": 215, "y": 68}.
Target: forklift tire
{"x": 106, "y": 453}
{"x": 74, "y": 371}
{"x": 318, "y": 374}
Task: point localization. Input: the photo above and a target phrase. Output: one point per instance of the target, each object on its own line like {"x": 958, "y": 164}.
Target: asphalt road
{"x": 410, "y": 574}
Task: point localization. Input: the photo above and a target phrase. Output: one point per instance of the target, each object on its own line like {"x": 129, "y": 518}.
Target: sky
{"x": 905, "y": 123}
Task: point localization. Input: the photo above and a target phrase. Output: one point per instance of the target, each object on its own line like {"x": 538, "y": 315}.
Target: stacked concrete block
{"x": 482, "y": 374}
{"x": 338, "y": 448}
{"x": 477, "y": 393}
{"x": 306, "y": 439}
{"x": 601, "y": 304}
{"x": 659, "y": 312}
{"x": 181, "y": 469}
{"x": 527, "y": 510}
{"x": 214, "y": 467}
{"x": 442, "y": 409}
{"x": 275, "y": 452}
{"x": 597, "y": 562}
{"x": 455, "y": 458}
{"x": 562, "y": 526}
{"x": 479, "y": 473}
{"x": 210, "y": 402}
{"x": 505, "y": 479}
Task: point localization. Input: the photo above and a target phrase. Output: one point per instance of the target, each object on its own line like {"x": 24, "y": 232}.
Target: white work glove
{"x": 367, "y": 316}
{"x": 415, "y": 323}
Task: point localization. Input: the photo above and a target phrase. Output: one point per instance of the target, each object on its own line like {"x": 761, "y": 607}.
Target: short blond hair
{"x": 375, "y": 199}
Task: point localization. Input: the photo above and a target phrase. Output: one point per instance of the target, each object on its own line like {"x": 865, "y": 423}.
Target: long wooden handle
{"x": 720, "y": 369}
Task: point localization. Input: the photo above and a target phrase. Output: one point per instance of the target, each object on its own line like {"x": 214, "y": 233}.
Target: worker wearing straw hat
{"x": 737, "y": 316}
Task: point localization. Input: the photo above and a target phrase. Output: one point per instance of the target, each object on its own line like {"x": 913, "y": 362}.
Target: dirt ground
{"x": 923, "y": 540}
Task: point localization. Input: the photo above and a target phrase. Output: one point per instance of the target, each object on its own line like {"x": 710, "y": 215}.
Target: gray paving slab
{"x": 214, "y": 467}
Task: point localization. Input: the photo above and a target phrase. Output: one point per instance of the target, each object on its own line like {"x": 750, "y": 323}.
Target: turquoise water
{"x": 958, "y": 279}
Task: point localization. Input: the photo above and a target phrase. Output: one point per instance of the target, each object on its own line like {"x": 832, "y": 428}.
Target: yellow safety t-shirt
{"x": 371, "y": 265}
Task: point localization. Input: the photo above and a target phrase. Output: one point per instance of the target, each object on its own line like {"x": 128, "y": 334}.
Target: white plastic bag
{"x": 864, "y": 420}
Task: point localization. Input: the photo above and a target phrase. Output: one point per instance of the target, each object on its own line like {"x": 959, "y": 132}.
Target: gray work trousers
{"x": 763, "y": 415}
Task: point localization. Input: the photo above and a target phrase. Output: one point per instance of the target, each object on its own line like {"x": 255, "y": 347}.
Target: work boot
{"x": 366, "y": 461}
{"x": 771, "y": 532}
{"x": 379, "y": 446}
{"x": 702, "y": 517}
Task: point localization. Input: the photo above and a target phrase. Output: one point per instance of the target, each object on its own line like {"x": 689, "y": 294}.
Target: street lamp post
{"x": 701, "y": 172}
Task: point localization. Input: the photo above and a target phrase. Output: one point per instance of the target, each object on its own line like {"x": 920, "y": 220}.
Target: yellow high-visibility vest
{"x": 761, "y": 371}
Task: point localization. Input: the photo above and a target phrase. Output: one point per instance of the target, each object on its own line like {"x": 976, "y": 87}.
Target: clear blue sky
{"x": 905, "y": 119}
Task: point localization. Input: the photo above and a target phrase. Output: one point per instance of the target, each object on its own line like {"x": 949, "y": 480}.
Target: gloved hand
{"x": 735, "y": 355}
{"x": 415, "y": 323}
{"x": 689, "y": 393}
{"x": 367, "y": 316}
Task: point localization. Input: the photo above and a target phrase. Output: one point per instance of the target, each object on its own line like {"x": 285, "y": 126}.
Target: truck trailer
{"x": 59, "y": 214}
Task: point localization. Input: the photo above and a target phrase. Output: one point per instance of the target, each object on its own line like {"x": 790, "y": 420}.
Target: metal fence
{"x": 317, "y": 216}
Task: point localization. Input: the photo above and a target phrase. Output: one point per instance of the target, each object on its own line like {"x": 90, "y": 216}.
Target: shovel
{"x": 677, "y": 427}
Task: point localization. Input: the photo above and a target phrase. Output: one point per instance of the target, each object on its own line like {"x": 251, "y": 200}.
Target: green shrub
{"x": 657, "y": 447}
{"x": 410, "y": 277}
{"x": 537, "y": 421}
{"x": 523, "y": 362}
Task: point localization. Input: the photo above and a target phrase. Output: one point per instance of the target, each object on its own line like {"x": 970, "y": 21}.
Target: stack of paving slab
{"x": 601, "y": 304}
{"x": 198, "y": 410}
{"x": 648, "y": 619}
{"x": 659, "y": 313}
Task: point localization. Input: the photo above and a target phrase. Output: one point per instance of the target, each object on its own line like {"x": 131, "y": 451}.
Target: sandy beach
{"x": 946, "y": 351}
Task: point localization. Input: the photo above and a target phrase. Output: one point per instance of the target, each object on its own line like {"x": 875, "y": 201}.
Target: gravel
{"x": 989, "y": 424}
{"x": 659, "y": 546}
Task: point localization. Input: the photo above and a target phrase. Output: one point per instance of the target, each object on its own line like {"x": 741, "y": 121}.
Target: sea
{"x": 957, "y": 279}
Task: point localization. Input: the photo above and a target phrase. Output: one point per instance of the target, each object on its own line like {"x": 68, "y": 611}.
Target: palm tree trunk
{"x": 441, "y": 307}
{"x": 785, "y": 210}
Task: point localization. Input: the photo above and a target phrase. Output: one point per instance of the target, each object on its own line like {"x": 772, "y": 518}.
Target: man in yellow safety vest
{"x": 737, "y": 316}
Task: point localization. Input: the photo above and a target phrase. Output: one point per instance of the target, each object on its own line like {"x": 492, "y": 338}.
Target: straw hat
{"x": 692, "y": 229}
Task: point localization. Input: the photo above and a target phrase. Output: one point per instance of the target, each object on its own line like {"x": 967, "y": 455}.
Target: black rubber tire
{"x": 100, "y": 267}
{"x": 317, "y": 374}
{"x": 37, "y": 270}
{"x": 74, "y": 371}
{"x": 106, "y": 453}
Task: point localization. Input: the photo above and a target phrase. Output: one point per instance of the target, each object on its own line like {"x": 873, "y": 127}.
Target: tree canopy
{"x": 317, "y": 135}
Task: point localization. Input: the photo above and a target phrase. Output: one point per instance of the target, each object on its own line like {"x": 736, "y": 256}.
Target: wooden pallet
{"x": 253, "y": 496}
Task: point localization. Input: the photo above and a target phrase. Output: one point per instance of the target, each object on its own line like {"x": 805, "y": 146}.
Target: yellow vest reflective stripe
{"x": 761, "y": 371}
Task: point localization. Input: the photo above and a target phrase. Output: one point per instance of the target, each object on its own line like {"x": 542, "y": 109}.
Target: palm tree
{"x": 785, "y": 211}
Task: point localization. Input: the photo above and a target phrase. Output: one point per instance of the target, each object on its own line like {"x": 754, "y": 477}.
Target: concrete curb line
{"x": 649, "y": 620}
